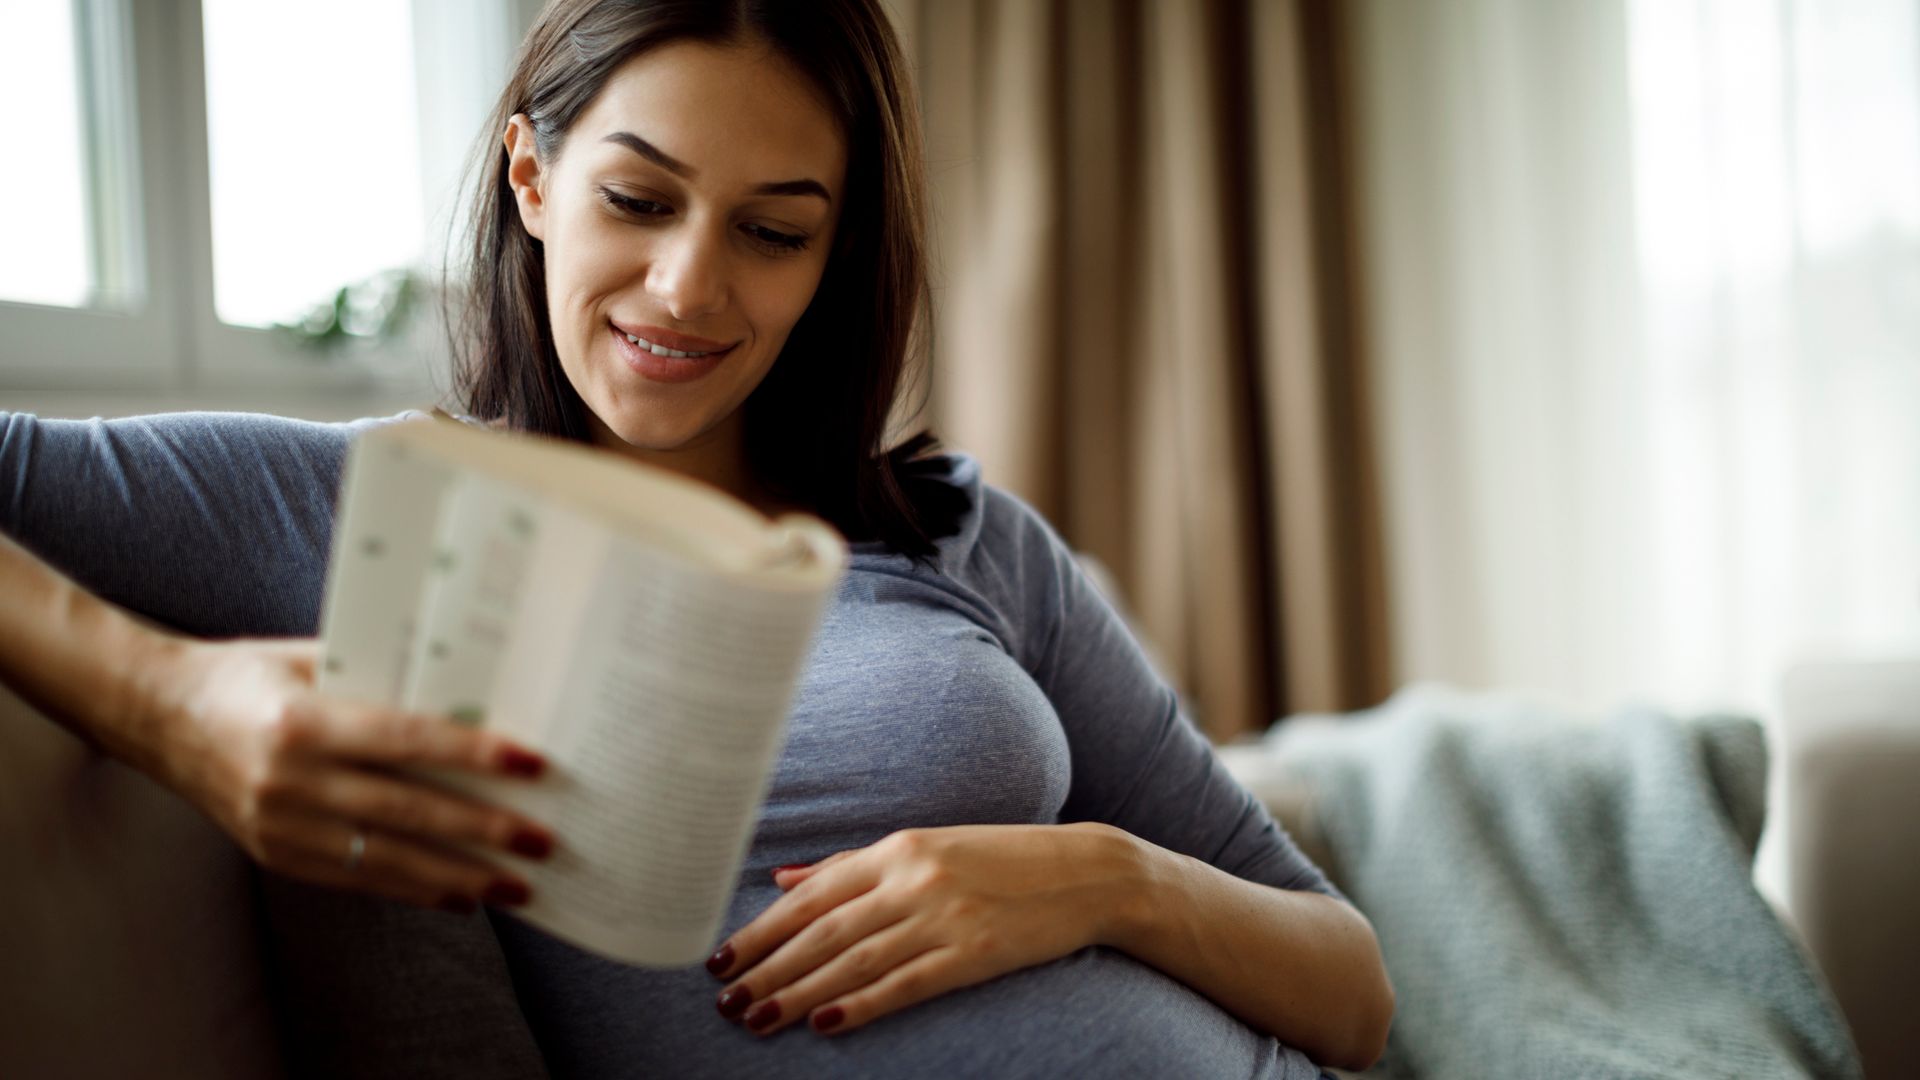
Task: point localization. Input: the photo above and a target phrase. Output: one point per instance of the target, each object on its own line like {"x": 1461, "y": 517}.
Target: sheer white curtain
{"x": 1645, "y": 284}
{"x": 1777, "y": 172}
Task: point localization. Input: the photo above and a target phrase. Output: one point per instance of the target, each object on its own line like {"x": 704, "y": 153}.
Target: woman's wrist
{"x": 121, "y": 694}
{"x": 87, "y": 664}
{"x": 151, "y": 695}
{"x": 1129, "y": 870}
{"x": 1225, "y": 936}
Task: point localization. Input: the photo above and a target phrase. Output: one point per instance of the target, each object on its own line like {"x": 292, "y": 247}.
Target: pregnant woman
{"x": 993, "y": 845}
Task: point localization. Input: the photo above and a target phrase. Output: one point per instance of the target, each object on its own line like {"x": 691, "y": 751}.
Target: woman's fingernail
{"x": 794, "y": 866}
{"x": 828, "y": 1018}
{"x": 459, "y": 905}
{"x": 733, "y": 1001}
{"x": 722, "y": 959}
{"x": 507, "y": 894}
{"x": 517, "y": 762}
{"x": 531, "y": 844}
{"x": 764, "y": 1015}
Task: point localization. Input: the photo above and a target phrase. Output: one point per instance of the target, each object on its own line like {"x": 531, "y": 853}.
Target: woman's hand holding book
{"x": 310, "y": 786}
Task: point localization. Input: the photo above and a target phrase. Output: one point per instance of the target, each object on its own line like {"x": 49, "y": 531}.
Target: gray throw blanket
{"x": 1557, "y": 896}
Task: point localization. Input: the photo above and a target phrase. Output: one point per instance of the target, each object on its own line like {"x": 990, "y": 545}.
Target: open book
{"x": 642, "y": 630}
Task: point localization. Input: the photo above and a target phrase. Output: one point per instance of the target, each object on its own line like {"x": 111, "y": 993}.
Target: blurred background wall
{"x": 1566, "y": 346}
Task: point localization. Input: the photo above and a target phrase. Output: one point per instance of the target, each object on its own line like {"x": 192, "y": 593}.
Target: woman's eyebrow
{"x": 680, "y": 168}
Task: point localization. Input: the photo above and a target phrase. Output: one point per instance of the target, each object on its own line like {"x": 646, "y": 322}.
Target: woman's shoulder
{"x": 1005, "y": 562}
{"x": 994, "y": 538}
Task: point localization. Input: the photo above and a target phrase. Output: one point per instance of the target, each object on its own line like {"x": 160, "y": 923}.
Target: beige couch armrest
{"x": 1852, "y": 742}
{"x": 127, "y": 925}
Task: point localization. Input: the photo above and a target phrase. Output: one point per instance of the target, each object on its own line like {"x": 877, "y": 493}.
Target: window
{"x": 314, "y": 164}
{"x": 208, "y": 168}
{"x": 46, "y": 260}
{"x": 71, "y": 244}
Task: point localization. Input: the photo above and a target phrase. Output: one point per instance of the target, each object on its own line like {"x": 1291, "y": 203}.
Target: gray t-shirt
{"x": 998, "y": 687}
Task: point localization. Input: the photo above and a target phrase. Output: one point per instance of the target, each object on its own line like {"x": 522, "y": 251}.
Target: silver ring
{"x": 356, "y": 849}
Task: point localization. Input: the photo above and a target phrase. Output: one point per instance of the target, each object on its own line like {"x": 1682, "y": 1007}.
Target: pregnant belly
{"x": 1097, "y": 1012}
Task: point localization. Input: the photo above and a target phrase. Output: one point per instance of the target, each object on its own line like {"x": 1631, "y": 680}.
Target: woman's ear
{"x": 525, "y": 176}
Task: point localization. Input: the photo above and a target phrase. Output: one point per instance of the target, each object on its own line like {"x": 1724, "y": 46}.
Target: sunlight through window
{"x": 44, "y": 259}
{"x": 314, "y": 151}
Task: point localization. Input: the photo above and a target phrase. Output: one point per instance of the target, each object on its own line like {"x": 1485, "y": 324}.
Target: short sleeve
{"x": 1138, "y": 761}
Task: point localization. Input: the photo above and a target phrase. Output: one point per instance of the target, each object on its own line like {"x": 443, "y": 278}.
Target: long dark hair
{"x": 817, "y": 423}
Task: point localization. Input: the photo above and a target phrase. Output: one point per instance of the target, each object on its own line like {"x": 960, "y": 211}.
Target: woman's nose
{"x": 689, "y": 274}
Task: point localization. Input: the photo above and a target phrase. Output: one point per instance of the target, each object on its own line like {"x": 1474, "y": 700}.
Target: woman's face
{"x": 692, "y": 206}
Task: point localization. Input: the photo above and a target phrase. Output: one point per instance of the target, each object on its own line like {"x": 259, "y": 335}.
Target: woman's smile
{"x": 664, "y": 356}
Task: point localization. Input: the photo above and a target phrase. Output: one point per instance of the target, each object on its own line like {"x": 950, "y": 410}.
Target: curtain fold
{"x": 1143, "y": 322}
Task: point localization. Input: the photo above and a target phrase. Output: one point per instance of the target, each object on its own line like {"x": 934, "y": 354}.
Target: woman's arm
{"x": 932, "y": 910}
{"x": 235, "y": 728}
{"x": 77, "y": 659}
{"x": 1225, "y": 902}
{"x": 217, "y": 526}
{"x": 1302, "y": 966}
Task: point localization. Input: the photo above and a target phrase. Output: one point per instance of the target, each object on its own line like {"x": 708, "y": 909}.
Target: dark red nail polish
{"x": 721, "y": 960}
{"x": 828, "y": 1018}
{"x": 531, "y": 844}
{"x": 507, "y": 894}
{"x": 459, "y": 905}
{"x": 733, "y": 1001}
{"x": 518, "y": 762}
{"x": 764, "y": 1015}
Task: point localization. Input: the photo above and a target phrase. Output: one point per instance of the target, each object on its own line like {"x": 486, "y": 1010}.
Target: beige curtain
{"x": 1143, "y": 322}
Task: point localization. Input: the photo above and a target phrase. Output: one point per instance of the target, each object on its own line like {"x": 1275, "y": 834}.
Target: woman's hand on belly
{"x": 870, "y": 931}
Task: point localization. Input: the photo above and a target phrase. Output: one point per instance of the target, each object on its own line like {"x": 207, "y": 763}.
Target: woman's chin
{"x": 654, "y": 434}
{"x": 646, "y": 437}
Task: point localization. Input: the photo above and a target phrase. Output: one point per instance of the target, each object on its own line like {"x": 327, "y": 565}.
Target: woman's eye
{"x": 780, "y": 240}
{"x": 642, "y": 207}
{"x": 771, "y": 239}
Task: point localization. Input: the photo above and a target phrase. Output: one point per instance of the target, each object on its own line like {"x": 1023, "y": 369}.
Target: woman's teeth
{"x": 662, "y": 350}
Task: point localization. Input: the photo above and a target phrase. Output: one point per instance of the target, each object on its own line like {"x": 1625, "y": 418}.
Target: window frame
{"x": 134, "y": 344}
{"x": 168, "y": 335}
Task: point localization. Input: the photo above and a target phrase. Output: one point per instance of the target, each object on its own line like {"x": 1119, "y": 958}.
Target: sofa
{"x": 129, "y": 930}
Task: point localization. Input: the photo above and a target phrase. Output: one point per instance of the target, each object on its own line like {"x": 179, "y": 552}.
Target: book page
{"x": 476, "y": 575}
{"x": 391, "y": 496}
{"x": 665, "y": 733}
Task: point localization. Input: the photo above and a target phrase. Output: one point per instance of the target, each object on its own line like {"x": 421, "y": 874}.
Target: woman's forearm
{"x": 1300, "y": 965}
{"x": 77, "y": 658}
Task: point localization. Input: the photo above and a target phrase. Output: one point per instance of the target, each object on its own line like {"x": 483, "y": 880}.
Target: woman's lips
{"x": 664, "y": 368}
{"x": 672, "y": 339}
